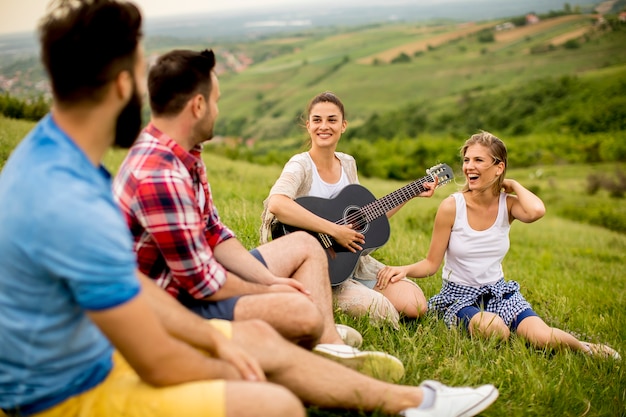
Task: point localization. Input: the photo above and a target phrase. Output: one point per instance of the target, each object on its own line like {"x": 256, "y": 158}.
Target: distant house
{"x": 622, "y": 17}
{"x": 599, "y": 19}
{"x": 532, "y": 18}
{"x": 505, "y": 26}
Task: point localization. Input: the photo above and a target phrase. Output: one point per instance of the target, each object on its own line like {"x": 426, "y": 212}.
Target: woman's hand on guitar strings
{"x": 346, "y": 236}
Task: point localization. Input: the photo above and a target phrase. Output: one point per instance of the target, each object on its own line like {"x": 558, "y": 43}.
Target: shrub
{"x": 486, "y": 36}
{"x": 401, "y": 59}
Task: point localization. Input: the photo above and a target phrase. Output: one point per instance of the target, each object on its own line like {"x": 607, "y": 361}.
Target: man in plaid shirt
{"x": 181, "y": 242}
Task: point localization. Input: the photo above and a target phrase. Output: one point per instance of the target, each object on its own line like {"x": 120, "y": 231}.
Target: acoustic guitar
{"x": 357, "y": 206}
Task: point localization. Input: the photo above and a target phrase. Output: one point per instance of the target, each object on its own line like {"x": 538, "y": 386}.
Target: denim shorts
{"x": 222, "y": 309}
{"x": 466, "y": 313}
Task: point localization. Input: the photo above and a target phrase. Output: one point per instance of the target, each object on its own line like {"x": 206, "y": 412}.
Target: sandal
{"x": 596, "y": 349}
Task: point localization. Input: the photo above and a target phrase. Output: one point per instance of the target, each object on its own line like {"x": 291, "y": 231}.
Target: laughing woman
{"x": 324, "y": 172}
{"x": 471, "y": 234}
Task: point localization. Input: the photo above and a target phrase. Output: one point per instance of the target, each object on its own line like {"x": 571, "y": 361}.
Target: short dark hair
{"x": 176, "y": 77}
{"x": 86, "y": 44}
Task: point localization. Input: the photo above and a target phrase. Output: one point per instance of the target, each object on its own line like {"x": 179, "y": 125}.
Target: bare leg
{"x": 407, "y": 297}
{"x": 357, "y": 300}
{"x": 538, "y": 333}
{"x": 488, "y": 324}
{"x": 293, "y": 315}
{"x": 319, "y": 381}
{"x": 261, "y": 400}
{"x": 307, "y": 263}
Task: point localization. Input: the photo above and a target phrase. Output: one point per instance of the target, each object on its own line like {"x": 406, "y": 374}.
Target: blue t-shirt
{"x": 64, "y": 249}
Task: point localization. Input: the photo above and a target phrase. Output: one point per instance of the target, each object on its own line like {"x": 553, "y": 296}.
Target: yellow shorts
{"x": 123, "y": 393}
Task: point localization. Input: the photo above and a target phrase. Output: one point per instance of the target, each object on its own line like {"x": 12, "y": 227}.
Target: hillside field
{"x": 442, "y": 63}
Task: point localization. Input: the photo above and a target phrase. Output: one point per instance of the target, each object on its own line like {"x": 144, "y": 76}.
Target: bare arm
{"x": 438, "y": 245}
{"x": 526, "y": 206}
{"x": 235, "y": 286}
{"x": 192, "y": 329}
{"x": 158, "y": 358}
{"x": 247, "y": 275}
{"x": 289, "y": 212}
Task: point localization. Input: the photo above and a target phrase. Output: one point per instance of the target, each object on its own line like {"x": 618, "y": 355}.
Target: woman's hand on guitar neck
{"x": 430, "y": 188}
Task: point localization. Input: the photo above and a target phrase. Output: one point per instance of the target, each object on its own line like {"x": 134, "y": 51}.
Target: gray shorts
{"x": 369, "y": 283}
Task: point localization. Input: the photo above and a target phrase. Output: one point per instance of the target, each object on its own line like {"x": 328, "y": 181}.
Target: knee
{"x": 285, "y": 403}
{"x": 307, "y": 322}
{"x": 407, "y": 298}
{"x": 416, "y": 307}
{"x": 414, "y": 311}
{"x": 260, "y": 331}
{"x": 488, "y": 325}
{"x": 309, "y": 245}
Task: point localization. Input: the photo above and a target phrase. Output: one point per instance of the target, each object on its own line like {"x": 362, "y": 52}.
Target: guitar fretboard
{"x": 369, "y": 212}
{"x": 377, "y": 208}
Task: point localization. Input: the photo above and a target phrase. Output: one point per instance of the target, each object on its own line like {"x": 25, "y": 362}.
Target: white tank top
{"x": 320, "y": 188}
{"x": 474, "y": 258}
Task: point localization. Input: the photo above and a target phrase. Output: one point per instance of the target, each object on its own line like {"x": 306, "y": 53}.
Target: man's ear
{"x": 123, "y": 85}
{"x": 198, "y": 106}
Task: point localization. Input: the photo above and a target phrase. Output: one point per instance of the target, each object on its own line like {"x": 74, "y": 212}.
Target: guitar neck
{"x": 381, "y": 206}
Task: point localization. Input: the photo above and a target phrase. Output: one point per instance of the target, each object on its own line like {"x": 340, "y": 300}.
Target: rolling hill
{"x": 379, "y": 68}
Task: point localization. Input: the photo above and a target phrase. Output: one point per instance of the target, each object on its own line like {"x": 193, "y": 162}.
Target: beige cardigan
{"x": 295, "y": 181}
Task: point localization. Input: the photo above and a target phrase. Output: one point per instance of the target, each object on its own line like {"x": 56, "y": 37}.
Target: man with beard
{"x": 79, "y": 336}
{"x": 181, "y": 242}
{"x": 84, "y": 334}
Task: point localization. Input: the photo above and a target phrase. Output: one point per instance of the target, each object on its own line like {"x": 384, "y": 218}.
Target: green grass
{"x": 572, "y": 273}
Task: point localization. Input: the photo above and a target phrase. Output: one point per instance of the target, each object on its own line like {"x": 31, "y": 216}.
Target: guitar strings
{"x": 360, "y": 217}
{"x": 356, "y": 218}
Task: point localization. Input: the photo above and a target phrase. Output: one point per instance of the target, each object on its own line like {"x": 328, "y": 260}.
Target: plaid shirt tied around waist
{"x": 503, "y": 298}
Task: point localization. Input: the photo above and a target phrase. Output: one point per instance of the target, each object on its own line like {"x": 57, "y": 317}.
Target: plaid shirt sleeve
{"x": 216, "y": 232}
{"x": 166, "y": 207}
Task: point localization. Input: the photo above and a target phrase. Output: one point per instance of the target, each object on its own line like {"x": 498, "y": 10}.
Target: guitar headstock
{"x": 442, "y": 172}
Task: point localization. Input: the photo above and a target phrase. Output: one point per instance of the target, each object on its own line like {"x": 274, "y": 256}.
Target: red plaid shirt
{"x": 163, "y": 191}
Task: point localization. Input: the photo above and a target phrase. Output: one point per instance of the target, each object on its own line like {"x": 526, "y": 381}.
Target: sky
{"x": 23, "y": 15}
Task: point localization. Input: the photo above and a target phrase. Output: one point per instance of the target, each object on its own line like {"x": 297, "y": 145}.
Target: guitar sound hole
{"x": 352, "y": 215}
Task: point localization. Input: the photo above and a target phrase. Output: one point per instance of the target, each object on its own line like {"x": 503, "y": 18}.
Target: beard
{"x": 128, "y": 123}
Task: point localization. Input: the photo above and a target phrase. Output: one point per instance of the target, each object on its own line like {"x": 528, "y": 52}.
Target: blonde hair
{"x": 497, "y": 150}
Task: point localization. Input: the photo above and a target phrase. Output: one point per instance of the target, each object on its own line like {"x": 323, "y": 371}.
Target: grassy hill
{"x": 438, "y": 64}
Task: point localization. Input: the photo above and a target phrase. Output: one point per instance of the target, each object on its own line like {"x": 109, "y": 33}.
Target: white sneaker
{"x": 350, "y": 336}
{"x": 455, "y": 402}
{"x": 378, "y": 365}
